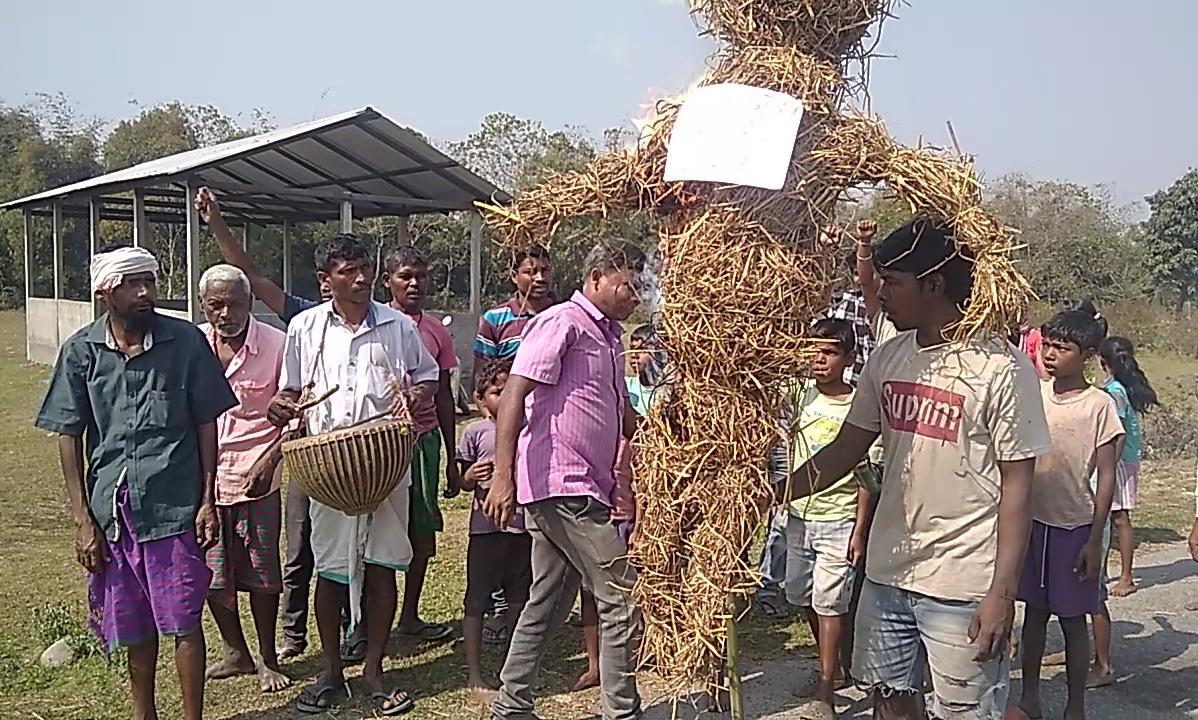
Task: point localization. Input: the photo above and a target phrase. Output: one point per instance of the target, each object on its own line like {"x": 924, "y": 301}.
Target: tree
{"x": 1171, "y": 237}
{"x": 42, "y": 144}
{"x": 1077, "y": 242}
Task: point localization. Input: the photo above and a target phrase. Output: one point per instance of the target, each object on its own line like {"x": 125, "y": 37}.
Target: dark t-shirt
{"x": 294, "y": 305}
{"x": 478, "y": 444}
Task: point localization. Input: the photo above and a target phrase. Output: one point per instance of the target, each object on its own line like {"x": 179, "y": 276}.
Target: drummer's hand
{"x": 500, "y": 504}
{"x": 282, "y": 409}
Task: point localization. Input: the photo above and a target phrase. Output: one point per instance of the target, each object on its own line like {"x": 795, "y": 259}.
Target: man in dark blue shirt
{"x": 143, "y": 391}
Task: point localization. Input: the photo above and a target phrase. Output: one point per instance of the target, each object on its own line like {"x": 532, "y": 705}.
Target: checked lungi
{"x": 247, "y": 557}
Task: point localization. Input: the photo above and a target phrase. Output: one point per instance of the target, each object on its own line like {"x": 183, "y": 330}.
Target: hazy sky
{"x": 1096, "y": 91}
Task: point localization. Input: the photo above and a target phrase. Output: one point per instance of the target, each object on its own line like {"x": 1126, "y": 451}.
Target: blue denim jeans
{"x": 772, "y": 564}
{"x": 899, "y": 633}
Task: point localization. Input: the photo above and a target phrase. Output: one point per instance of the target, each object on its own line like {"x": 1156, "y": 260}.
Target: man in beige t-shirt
{"x": 961, "y": 424}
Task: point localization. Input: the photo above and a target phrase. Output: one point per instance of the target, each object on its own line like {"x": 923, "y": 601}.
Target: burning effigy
{"x": 743, "y": 273}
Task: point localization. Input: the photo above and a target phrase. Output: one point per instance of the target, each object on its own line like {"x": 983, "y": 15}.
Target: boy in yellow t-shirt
{"x": 826, "y": 532}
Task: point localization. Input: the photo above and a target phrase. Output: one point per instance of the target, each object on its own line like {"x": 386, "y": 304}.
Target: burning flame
{"x": 657, "y": 100}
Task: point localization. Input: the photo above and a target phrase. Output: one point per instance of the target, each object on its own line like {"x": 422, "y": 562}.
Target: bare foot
{"x": 483, "y": 693}
{"x": 587, "y": 680}
{"x": 232, "y": 665}
{"x": 1123, "y": 588}
{"x": 271, "y": 679}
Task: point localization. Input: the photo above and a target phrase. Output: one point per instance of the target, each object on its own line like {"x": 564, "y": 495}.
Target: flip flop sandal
{"x": 354, "y": 652}
{"x": 396, "y": 702}
{"x": 773, "y": 610}
{"x": 316, "y": 699}
{"x": 491, "y": 636}
{"x": 431, "y": 632}
{"x": 1093, "y": 682}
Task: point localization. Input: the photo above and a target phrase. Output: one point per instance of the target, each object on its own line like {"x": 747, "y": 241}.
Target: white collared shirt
{"x": 362, "y": 363}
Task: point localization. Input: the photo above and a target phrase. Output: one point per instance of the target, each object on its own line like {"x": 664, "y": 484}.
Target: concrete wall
{"x": 72, "y": 315}
{"x": 49, "y": 322}
{"x": 41, "y": 330}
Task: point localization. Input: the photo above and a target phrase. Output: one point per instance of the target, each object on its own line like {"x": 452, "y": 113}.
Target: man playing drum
{"x": 366, "y": 350}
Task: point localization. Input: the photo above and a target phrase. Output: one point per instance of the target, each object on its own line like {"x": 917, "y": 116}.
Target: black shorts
{"x": 497, "y": 560}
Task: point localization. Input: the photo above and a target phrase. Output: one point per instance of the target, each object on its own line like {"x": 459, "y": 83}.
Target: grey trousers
{"x": 573, "y": 540}
{"x": 297, "y": 572}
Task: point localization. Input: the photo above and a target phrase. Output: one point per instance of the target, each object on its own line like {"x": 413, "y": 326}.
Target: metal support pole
{"x": 245, "y": 237}
{"x": 58, "y": 278}
{"x": 287, "y": 256}
{"x": 28, "y": 254}
{"x": 141, "y": 229}
{"x": 94, "y": 206}
{"x": 28, "y": 224}
{"x": 192, "y": 254}
{"x": 347, "y": 216}
{"x": 476, "y": 263}
{"x": 403, "y": 233}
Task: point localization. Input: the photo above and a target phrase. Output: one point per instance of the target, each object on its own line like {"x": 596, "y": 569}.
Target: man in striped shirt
{"x": 500, "y": 328}
{"x": 499, "y": 333}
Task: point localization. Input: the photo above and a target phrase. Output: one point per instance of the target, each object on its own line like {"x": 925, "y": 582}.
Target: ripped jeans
{"x": 899, "y": 633}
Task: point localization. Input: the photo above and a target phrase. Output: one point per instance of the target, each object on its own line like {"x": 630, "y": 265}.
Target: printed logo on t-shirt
{"x": 923, "y": 410}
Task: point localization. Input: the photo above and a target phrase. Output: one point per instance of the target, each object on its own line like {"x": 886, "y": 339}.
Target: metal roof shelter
{"x": 357, "y": 164}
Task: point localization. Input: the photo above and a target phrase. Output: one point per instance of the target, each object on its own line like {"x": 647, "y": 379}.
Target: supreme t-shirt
{"x": 948, "y": 415}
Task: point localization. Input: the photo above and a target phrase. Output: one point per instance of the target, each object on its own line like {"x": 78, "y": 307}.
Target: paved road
{"x": 1155, "y": 655}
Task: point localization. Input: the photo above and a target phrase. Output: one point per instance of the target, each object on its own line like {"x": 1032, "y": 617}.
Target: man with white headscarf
{"x": 144, "y": 391}
{"x": 247, "y": 478}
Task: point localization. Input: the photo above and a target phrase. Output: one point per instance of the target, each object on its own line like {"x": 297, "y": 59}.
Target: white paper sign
{"x": 735, "y": 134}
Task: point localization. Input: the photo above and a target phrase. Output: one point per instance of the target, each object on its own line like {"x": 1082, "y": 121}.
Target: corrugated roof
{"x": 299, "y": 173}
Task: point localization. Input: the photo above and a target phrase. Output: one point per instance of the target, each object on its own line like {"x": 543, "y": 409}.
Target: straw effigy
{"x": 743, "y": 274}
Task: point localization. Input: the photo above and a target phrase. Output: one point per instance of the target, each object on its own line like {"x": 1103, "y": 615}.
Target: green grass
{"x": 42, "y": 593}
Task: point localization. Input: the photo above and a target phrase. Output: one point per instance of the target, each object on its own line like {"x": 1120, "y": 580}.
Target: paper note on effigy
{"x": 734, "y": 134}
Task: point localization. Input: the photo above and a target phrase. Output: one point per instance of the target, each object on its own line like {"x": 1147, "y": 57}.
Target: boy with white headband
{"x": 145, "y": 391}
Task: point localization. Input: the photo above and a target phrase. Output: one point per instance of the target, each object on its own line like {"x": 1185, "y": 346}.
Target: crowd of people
{"x": 928, "y": 484}
{"x": 1001, "y": 474}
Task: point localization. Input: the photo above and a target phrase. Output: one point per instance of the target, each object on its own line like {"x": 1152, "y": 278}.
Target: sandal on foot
{"x": 289, "y": 650}
{"x": 773, "y": 609}
{"x": 396, "y": 702}
{"x": 491, "y": 636}
{"x": 429, "y": 632}
{"x": 316, "y": 699}
{"x": 353, "y": 652}
{"x": 1095, "y": 681}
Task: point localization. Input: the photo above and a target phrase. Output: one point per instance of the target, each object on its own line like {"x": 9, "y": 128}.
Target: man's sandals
{"x": 319, "y": 698}
{"x": 396, "y": 702}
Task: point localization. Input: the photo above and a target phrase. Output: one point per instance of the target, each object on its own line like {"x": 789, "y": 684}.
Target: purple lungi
{"x": 147, "y": 589}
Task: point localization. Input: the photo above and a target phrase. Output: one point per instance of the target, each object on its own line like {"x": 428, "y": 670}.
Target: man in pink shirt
{"x": 568, "y": 381}
{"x": 406, "y": 277}
{"x": 246, "y": 559}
